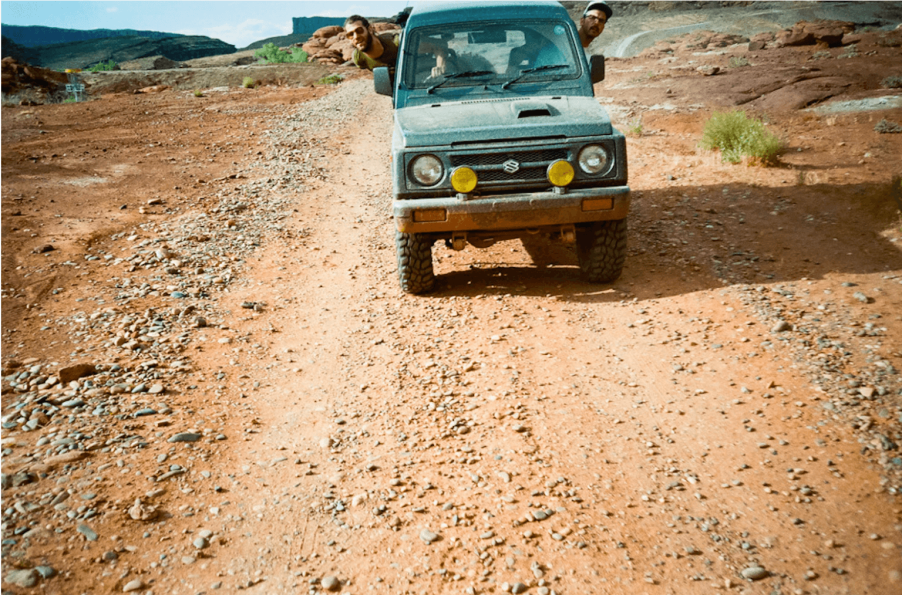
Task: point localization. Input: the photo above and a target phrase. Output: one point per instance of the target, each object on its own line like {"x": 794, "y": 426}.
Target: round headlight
{"x": 593, "y": 159}
{"x": 560, "y": 173}
{"x": 427, "y": 170}
{"x": 463, "y": 179}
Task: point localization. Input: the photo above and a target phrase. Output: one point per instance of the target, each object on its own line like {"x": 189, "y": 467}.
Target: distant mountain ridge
{"x": 36, "y": 35}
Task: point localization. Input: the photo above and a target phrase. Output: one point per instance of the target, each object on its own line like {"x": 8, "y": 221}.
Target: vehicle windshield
{"x": 514, "y": 53}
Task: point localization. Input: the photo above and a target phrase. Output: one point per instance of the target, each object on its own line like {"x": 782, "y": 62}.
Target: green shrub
{"x": 738, "y": 62}
{"x": 821, "y": 55}
{"x": 103, "y": 67}
{"x": 737, "y": 136}
{"x": 332, "y": 79}
{"x": 892, "y": 82}
{"x": 636, "y": 127}
{"x": 69, "y": 100}
{"x": 198, "y": 93}
{"x": 850, "y": 52}
{"x": 272, "y": 54}
{"x": 248, "y": 83}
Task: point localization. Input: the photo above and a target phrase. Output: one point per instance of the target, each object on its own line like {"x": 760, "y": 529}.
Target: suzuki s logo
{"x": 511, "y": 166}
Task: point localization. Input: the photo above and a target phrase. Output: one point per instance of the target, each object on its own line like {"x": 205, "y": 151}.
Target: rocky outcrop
{"x": 760, "y": 41}
{"x": 825, "y": 33}
{"x": 150, "y": 63}
{"x": 26, "y": 84}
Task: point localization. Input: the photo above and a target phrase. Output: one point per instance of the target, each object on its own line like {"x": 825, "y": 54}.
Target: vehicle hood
{"x": 490, "y": 120}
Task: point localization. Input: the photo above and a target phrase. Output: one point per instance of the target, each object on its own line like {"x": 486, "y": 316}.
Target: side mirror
{"x": 596, "y": 68}
{"x": 382, "y": 81}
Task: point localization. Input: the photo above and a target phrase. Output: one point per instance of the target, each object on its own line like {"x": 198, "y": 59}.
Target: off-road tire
{"x": 601, "y": 249}
{"x": 415, "y": 262}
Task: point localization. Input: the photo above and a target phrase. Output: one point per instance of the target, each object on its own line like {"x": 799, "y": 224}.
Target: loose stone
{"x": 330, "y": 583}
{"x": 755, "y": 573}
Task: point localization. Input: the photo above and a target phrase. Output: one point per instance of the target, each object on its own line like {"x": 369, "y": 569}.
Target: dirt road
{"x": 721, "y": 418}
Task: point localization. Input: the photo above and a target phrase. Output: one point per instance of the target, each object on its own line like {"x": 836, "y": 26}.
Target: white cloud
{"x": 242, "y": 34}
{"x": 113, "y": 9}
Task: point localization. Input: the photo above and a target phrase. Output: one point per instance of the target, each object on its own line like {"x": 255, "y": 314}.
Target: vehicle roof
{"x": 436, "y": 13}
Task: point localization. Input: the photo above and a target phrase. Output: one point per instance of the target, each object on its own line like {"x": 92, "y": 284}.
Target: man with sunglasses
{"x": 371, "y": 50}
{"x": 592, "y": 24}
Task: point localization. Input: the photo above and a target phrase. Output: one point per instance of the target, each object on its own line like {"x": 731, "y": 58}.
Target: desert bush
{"x": 272, "y": 54}
{"x": 103, "y": 67}
{"x": 332, "y": 79}
{"x": 198, "y": 93}
{"x": 821, "y": 55}
{"x": 635, "y": 127}
{"x": 739, "y": 136}
{"x": 884, "y": 126}
{"x": 850, "y": 52}
{"x": 738, "y": 62}
{"x": 248, "y": 83}
{"x": 892, "y": 82}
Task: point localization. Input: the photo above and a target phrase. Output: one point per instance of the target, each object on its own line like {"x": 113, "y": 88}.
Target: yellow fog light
{"x": 429, "y": 215}
{"x": 463, "y": 179}
{"x": 560, "y": 173}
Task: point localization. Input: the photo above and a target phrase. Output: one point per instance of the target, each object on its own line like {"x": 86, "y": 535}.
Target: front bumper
{"x": 512, "y": 211}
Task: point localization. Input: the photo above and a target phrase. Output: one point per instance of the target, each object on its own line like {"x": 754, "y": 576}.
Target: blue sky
{"x": 238, "y": 23}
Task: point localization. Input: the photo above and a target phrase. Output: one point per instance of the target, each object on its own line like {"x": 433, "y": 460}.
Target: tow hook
{"x": 458, "y": 241}
{"x": 568, "y": 234}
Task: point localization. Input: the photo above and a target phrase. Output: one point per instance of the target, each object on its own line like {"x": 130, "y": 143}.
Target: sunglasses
{"x": 592, "y": 17}
{"x": 355, "y": 32}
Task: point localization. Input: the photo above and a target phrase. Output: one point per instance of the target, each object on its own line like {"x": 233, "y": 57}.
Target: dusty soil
{"x": 227, "y": 265}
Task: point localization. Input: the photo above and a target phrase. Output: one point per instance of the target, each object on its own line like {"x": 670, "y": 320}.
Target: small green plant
{"x": 69, "y": 100}
{"x": 198, "y": 93}
{"x": 248, "y": 83}
{"x": 892, "y": 82}
{"x": 850, "y": 52}
{"x": 272, "y": 54}
{"x": 821, "y": 55}
{"x": 332, "y": 79}
{"x": 739, "y": 136}
{"x": 103, "y": 67}
{"x": 635, "y": 127}
{"x": 738, "y": 62}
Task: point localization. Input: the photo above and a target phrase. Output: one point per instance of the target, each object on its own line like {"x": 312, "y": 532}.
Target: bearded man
{"x": 371, "y": 50}
{"x": 592, "y": 24}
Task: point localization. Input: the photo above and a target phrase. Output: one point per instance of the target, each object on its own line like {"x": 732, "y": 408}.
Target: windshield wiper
{"x": 531, "y": 70}
{"x": 459, "y": 75}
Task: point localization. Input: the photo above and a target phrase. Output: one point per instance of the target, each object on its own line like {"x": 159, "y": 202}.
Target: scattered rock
{"x": 428, "y": 536}
{"x": 23, "y": 578}
{"x": 330, "y": 583}
{"x": 133, "y": 585}
{"x": 70, "y": 373}
{"x": 755, "y": 573}
{"x": 186, "y": 437}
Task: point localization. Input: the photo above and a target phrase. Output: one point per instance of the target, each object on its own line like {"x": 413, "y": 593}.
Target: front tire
{"x": 415, "y": 262}
{"x": 601, "y": 249}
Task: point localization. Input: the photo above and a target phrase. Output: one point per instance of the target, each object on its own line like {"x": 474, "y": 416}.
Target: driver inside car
{"x": 536, "y": 52}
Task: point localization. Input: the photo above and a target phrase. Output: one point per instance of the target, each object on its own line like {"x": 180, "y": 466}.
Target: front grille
{"x": 489, "y": 167}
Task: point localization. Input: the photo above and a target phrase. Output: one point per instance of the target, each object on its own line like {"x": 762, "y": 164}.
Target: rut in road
{"x": 518, "y": 425}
